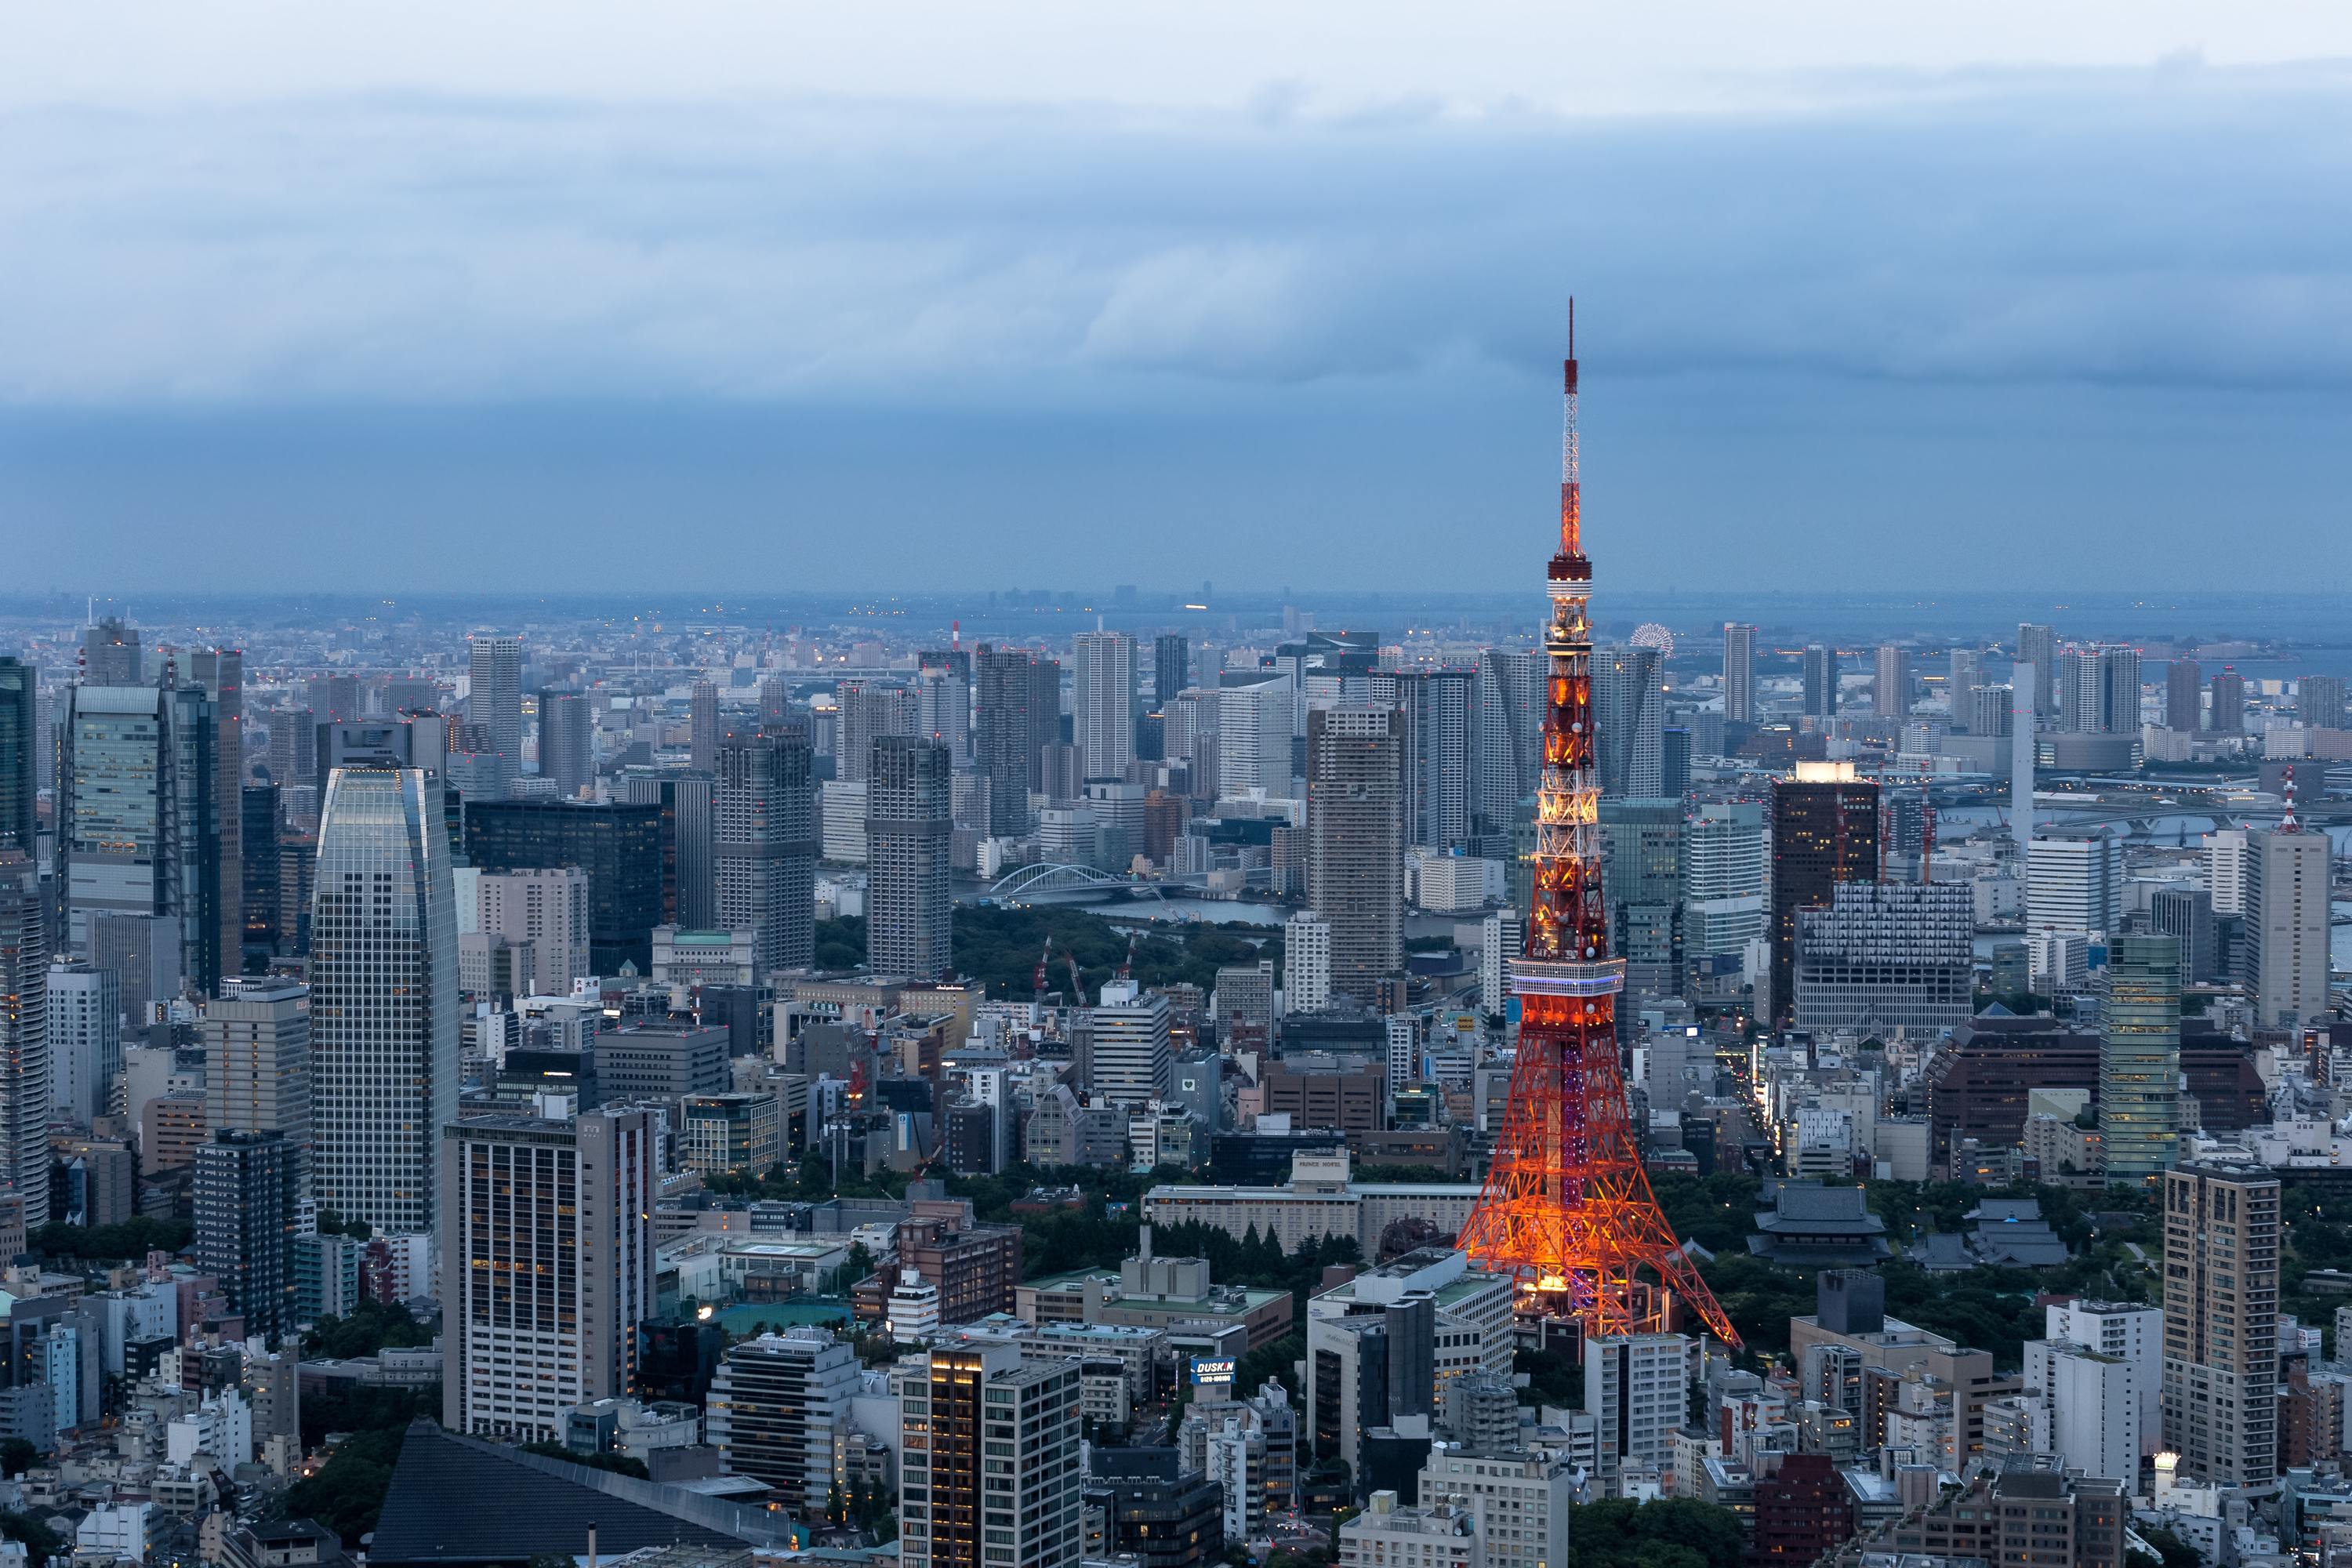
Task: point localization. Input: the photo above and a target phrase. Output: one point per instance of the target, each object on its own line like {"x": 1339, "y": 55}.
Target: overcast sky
{"x": 928, "y": 295}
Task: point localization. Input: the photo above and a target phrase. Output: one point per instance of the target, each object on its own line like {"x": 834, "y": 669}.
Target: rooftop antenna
{"x": 2288, "y": 824}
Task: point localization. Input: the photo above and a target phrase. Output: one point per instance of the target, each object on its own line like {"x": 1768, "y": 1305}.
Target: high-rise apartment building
{"x": 2184, "y": 696}
{"x": 383, "y": 996}
{"x": 84, "y": 1022}
{"x": 2287, "y": 921}
{"x": 1355, "y": 825}
{"x": 1738, "y": 673}
{"x": 1305, "y": 963}
{"x": 2221, "y": 1324}
{"x": 1635, "y": 1390}
{"x": 1892, "y": 958}
{"x": 257, "y": 1035}
{"x": 2038, "y": 645}
{"x": 1821, "y": 681}
{"x": 2129, "y": 1331}
{"x": 869, "y": 710}
{"x": 1047, "y": 722}
{"x": 907, "y": 911}
{"x": 249, "y": 1205}
{"x": 1510, "y": 733}
{"x": 1130, "y": 1059}
{"x": 1502, "y": 940}
{"x": 24, "y": 1092}
{"x": 1890, "y": 691}
{"x": 2098, "y": 690}
{"x": 943, "y": 701}
{"x": 1964, "y": 674}
{"x": 2319, "y": 701}
{"x": 765, "y": 876}
{"x": 1102, "y": 702}
{"x": 2140, "y": 1058}
{"x": 1171, "y": 668}
{"x": 1629, "y": 716}
{"x": 567, "y": 742}
{"x": 542, "y": 915}
{"x": 494, "y": 695}
{"x": 1824, "y": 832}
{"x": 1440, "y": 708}
{"x": 1001, "y": 729}
{"x": 21, "y": 775}
{"x": 989, "y": 1452}
{"x": 702, "y": 730}
{"x": 2228, "y": 714}
{"x": 547, "y": 1266}
{"x": 779, "y": 1411}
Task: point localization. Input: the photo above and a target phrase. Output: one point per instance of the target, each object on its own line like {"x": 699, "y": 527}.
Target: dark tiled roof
{"x": 460, "y": 1501}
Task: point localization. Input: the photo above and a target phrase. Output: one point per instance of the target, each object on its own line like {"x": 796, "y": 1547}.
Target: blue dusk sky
{"x": 934, "y": 295}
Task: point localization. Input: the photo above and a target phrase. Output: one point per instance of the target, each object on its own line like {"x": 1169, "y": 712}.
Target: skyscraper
{"x": 765, "y": 877}
{"x": 1305, "y": 963}
{"x": 1886, "y": 956}
{"x": 869, "y": 710}
{"x": 2287, "y": 920}
{"x": 1738, "y": 673}
{"x": 907, "y": 929}
{"x": 703, "y": 727}
{"x": 953, "y": 1405}
{"x": 1641, "y": 876}
{"x": 248, "y": 1204}
{"x": 1628, "y": 717}
{"x": 1440, "y": 708}
{"x": 1045, "y": 715}
{"x": 24, "y": 1092}
{"x": 2074, "y": 880}
{"x": 943, "y": 701}
{"x": 85, "y": 1024}
{"x": 1001, "y": 749}
{"x": 110, "y": 655}
{"x": 1171, "y": 668}
{"x": 1102, "y": 702}
{"x": 494, "y": 696}
{"x": 221, "y": 672}
{"x": 20, "y": 780}
{"x": 547, "y": 1266}
{"x": 1727, "y": 884}
{"x": 618, "y": 844}
{"x": 1131, "y": 1060}
{"x": 2220, "y": 1322}
{"x": 2098, "y": 690}
{"x": 383, "y": 996}
{"x": 1967, "y": 673}
{"x": 1355, "y": 825}
{"x": 1824, "y": 832}
{"x": 1891, "y": 689}
{"x": 2038, "y": 645}
{"x": 2228, "y": 716}
{"x": 257, "y": 1035}
{"x": 2184, "y": 696}
{"x": 143, "y": 833}
{"x": 2140, "y": 1058}
{"x": 1510, "y": 728}
{"x": 2319, "y": 701}
{"x": 1254, "y": 738}
{"x": 1821, "y": 681}
{"x": 567, "y": 742}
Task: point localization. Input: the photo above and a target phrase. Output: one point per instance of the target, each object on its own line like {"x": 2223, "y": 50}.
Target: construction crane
{"x": 1078, "y": 986}
{"x": 1037, "y": 981}
{"x": 1127, "y": 964}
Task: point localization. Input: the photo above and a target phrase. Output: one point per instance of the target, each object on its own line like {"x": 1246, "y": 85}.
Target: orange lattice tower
{"x": 1567, "y": 1208}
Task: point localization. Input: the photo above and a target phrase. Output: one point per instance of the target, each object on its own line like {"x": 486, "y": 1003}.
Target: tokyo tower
{"x": 1567, "y": 1207}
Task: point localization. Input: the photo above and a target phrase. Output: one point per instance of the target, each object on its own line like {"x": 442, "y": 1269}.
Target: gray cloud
{"x": 2151, "y": 227}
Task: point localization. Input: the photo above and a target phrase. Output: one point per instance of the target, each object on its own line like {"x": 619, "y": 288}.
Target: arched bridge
{"x": 1051, "y": 878}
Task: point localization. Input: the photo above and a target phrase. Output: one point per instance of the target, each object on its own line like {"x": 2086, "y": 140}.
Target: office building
{"x": 908, "y": 927}
{"x": 1129, "y": 1060}
{"x": 24, "y": 1093}
{"x": 1890, "y": 685}
{"x": 383, "y": 997}
{"x": 1510, "y": 728}
{"x": 1440, "y": 712}
{"x": 1727, "y": 880}
{"x": 689, "y": 828}
{"x": 567, "y": 743}
{"x": 1891, "y": 959}
{"x": 1821, "y": 681}
{"x": 2224, "y": 855}
{"x": 1642, "y": 847}
{"x": 1738, "y": 673}
{"x": 652, "y": 1059}
{"x": 138, "y": 776}
{"x": 21, "y": 775}
{"x": 2319, "y": 701}
{"x": 2221, "y": 1324}
{"x": 1964, "y": 673}
{"x": 547, "y": 1266}
{"x": 2074, "y": 882}
{"x": 219, "y": 672}
{"x": 779, "y": 1411}
{"x": 958, "y": 1405}
{"x": 1254, "y": 736}
{"x": 1305, "y": 963}
{"x": 1502, "y": 938}
{"x": 619, "y": 846}
{"x": 765, "y": 877}
{"x": 2186, "y": 914}
{"x": 2019, "y": 1516}
{"x": 868, "y": 711}
{"x": 1629, "y": 716}
{"x": 85, "y": 1023}
{"x": 1154, "y": 1509}
{"x": 702, "y": 727}
{"x": 542, "y": 915}
{"x": 742, "y": 1130}
{"x": 248, "y": 1209}
{"x": 2287, "y": 925}
{"x": 1355, "y": 825}
{"x": 257, "y": 1037}
{"x": 1171, "y": 668}
{"x": 2140, "y": 1058}
{"x": 1824, "y": 832}
{"x": 493, "y": 696}
{"x": 2227, "y": 712}
{"x": 1634, "y": 1389}
{"x": 2184, "y": 696}
{"x": 1102, "y": 702}
{"x": 1002, "y": 748}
